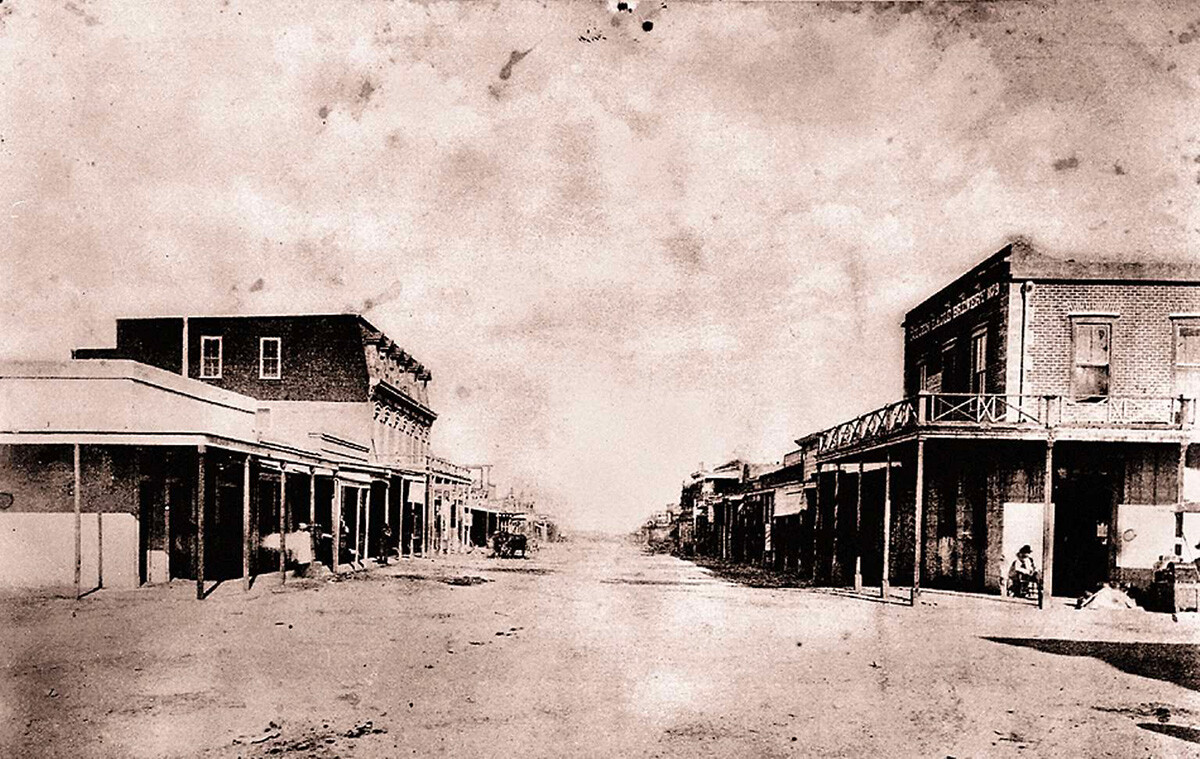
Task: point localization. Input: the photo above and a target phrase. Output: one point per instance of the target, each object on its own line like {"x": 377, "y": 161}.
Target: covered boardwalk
{"x": 942, "y": 490}
{"x": 114, "y": 474}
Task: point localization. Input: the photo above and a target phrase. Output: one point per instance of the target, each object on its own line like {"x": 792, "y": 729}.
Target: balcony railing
{"x": 1008, "y": 411}
{"x": 954, "y": 408}
{"x": 877, "y": 424}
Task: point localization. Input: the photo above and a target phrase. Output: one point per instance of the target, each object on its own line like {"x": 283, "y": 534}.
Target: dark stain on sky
{"x": 1190, "y": 35}
{"x": 88, "y": 19}
{"x": 1066, "y": 164}
{"x": 323, "y": 112}
{"x": 647, "y": 25}
{"x": 513, "y": 59}
{"x": 367, "y": 90}
{"x": 257, "y": 285}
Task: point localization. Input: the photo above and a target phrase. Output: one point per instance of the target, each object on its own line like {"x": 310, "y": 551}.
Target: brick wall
{"x": 323, "y": 358}
{"x": 1142, "y": 339}
{"x": 157, "y": 342}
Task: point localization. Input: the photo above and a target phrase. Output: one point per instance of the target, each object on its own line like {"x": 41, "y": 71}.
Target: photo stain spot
{"x": 257, "y": 285}
{"x": 622, "y": 6}
{"x": 367, "y": 90}
{"x": 323, "y": 112}
{"x": 647, "y": 25}
{"x": 513, "y": 59}
{"x": 1066, "y": 164}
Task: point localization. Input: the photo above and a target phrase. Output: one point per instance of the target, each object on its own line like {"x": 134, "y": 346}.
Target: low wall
{"x": 37, "y": 550}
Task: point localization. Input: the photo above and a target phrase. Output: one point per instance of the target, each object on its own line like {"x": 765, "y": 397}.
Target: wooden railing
{"x": 956, "y": 408}
{"x": 875, "y": 425}
{"x": 1007, "y": 411}
{"x": 1129, "y": 410}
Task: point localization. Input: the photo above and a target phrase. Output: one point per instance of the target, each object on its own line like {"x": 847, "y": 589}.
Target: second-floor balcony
{"x": 983, "y": 411}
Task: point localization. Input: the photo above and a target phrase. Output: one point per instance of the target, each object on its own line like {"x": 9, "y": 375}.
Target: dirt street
{"x": 587, "y": 649}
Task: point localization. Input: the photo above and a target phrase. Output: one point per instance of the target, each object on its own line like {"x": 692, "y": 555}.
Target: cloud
{"x": 647, "y": 251}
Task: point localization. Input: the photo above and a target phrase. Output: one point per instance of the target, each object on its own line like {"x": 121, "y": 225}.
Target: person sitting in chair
{"x": 1023, "y": 574}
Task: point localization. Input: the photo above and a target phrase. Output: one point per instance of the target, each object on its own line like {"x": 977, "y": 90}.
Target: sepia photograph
{"x": 599, "y": 378}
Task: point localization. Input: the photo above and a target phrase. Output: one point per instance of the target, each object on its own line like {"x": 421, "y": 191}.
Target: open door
{"x": 1083, "y": 512}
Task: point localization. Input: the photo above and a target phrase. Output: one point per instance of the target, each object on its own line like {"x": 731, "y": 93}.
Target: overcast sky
{"x": 620, "y": 255}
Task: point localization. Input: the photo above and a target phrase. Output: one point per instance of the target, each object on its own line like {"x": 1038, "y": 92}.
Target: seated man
{"x": 1023, "y": 574}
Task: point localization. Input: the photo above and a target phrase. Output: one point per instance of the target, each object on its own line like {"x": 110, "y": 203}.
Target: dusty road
{"x": 586, "y": 650}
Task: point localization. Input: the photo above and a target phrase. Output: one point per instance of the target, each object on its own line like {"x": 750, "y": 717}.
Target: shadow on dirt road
{"x": 1177, "y": 663}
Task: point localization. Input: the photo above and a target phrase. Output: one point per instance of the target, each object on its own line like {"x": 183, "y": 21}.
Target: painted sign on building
{"x": 954, "y": 310}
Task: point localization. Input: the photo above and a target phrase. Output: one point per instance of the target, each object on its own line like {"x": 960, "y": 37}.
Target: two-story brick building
{"x": 1049, "y": 402}
{"x": 205, "y": 447}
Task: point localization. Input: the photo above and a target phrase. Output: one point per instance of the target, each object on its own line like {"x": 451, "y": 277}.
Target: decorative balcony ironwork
{"x": 999, "y": 411}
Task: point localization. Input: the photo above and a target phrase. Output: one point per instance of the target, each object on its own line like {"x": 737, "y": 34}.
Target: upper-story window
{"x": 1092, "y": 343}
{"x": 979, "y": 361}
{"x": 1187, "y": 356}
{"x": 270, "y": 358}
{"x": 950, "y": 364}
{"x": 210, "y": 357}
{"x": 1187, "y": 343}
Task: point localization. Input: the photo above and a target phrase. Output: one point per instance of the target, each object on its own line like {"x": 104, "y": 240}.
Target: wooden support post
{"x": 388, "y": 535}
{"x": 918, "y": 519}
{"x": 312, "y": 515}
{"x": 246, "y": 524}
{"x": 312, "y": 497}
{"x": 99, "y": 545}
{"x": 166, "y": 496}
{"x": 358, "y": 525}
{"x": 335, "y": 523}
{"x": 858, "y": 529}
{"x": 283, "y": 520}
{"x": 818, "y": 526}
{"x": 406, "y": 538}
{"x": 1179, "y": 498}
{"x": 199, "y": 494}
{"x": 426, "y": 529}
{"x": 833, "y": 535}
{"x": 885, "y": 582}
{"x": 1048, "y": 520}
{"x": 365, "y": 497}
{"x": 78, "y": 502}
{"x": 183, "y": 354}
{"x": 434, "y": 538}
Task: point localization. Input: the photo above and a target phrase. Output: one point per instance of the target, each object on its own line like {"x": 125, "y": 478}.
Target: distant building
{"x": 661, "y": 530}
{"x": 702, "y": 508}
{"x": 451, "y": 487}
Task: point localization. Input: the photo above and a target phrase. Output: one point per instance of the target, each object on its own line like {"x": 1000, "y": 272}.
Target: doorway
{"x": 1086, "y": 489}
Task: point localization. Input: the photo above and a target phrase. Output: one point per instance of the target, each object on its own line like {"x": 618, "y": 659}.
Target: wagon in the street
{"x": 508, "y": 545}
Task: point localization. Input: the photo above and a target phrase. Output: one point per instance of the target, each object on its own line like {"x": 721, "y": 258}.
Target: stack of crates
{"x": 1184, "y": 581}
